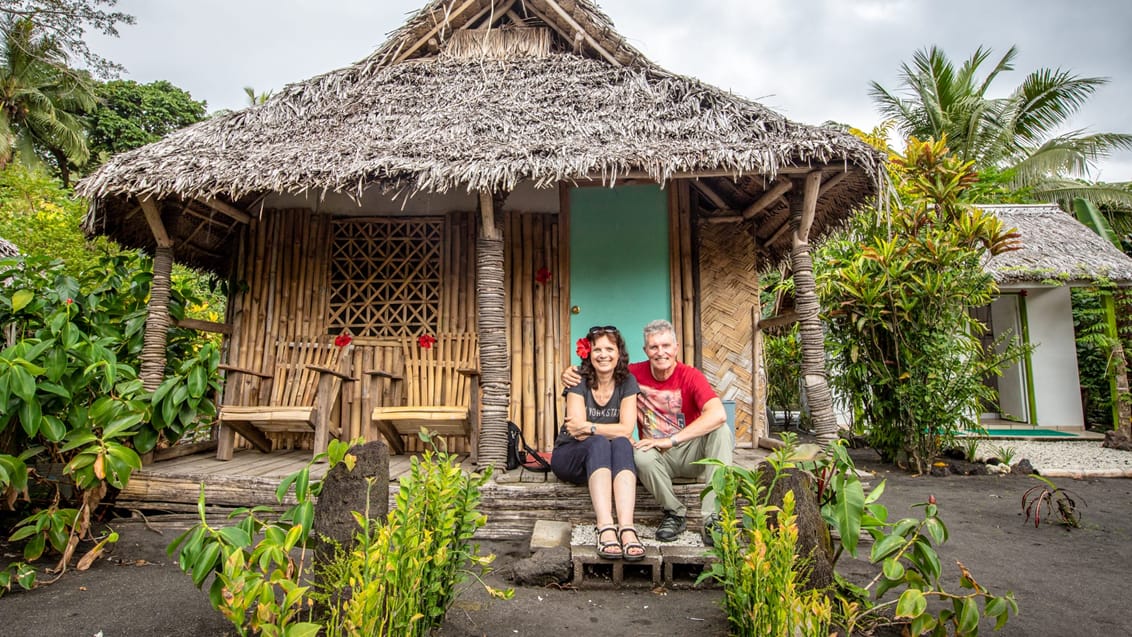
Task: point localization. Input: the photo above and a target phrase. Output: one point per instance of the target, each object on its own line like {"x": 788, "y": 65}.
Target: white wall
{"x": 1057, "y": 386}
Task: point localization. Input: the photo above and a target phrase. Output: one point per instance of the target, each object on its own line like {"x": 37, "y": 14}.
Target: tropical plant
{"x": 69, "y": 392}
{"x": 906, "y": 551}
{"x": 757, "y": 563}
{"x": 1050, "y": 498}
{"x": 399, "y": 579}
{"x": 1019, "y": 133}
{"x": 1005, "y": 455}
{"x": 41, "y": 99}
{"x": 898, "y": 284}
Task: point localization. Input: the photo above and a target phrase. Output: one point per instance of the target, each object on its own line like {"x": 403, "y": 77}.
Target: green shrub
{"x": 899, "y": 284}
{"x": 69, "y": 391}
{"x": 906, "y": 551}
{"x": 757, "y": 562}
{"x": 400, "y": 578}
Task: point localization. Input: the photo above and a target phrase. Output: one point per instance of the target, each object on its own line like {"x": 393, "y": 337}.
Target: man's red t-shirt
{"x": 665, "y": 407}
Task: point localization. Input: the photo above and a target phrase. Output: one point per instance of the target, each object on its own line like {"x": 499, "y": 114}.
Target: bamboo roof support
{"x": 768, "y": 198}
{"x": 711, "y": 195}
{"x": 226, "y": 209}
{"x": 153, "y": 218}
{"x": 440, "y": 24}
{"x": 487, "y": 214}
{"x": 786, "y": 318}
{"x": 778, "y": 232}
{"x": 577, "y": 27}
{"x": 809, "y": 206}
{"x": 828, "y": 184}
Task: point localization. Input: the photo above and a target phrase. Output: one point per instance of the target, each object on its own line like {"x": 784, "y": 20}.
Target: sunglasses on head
{"x": 601, "y": 329}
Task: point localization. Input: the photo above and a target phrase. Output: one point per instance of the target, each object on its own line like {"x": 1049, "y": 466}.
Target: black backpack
{"x": 519, "y": 453}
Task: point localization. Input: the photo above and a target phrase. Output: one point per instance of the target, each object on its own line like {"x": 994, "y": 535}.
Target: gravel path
{"x": 1065, "y": 458}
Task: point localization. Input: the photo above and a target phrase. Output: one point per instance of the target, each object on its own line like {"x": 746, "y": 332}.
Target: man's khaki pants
{"x": 656, "y": 468}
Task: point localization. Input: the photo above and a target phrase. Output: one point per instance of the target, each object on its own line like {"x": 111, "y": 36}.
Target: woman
{"x": 594, "y": 446}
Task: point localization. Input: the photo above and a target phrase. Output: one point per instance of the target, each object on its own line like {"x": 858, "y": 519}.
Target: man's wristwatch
{"x": 675, "y": 441}
{"x": 593, "y": 429}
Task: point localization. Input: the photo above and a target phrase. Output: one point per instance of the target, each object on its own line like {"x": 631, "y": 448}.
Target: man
{"x": 679, "y": 420}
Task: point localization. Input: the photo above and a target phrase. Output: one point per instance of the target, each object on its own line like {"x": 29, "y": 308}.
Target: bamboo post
{"x": 687, "y": 287}
{"x": 526, "y": 276}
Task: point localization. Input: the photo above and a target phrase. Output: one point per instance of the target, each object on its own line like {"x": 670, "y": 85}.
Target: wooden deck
{"x": 512, "y": 500}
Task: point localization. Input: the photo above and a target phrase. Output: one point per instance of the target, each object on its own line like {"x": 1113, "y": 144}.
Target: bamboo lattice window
{"x": 386, "y": 276}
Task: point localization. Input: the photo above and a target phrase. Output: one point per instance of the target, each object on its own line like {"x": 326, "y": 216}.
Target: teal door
{"x": 619, "y": 270}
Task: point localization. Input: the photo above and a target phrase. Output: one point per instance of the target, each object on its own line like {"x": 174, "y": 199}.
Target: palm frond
{"x": 1114, "y": 197}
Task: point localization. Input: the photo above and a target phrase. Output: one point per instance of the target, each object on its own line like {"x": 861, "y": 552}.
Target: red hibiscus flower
{"x": 543, "y": 275}
{"x": 583, "y": 348}
{"x": 343, "y": 339}
{"x": 426, "y": 341}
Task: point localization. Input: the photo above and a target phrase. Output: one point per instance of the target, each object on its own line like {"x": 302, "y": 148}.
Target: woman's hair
{"x": 620, "y": 372}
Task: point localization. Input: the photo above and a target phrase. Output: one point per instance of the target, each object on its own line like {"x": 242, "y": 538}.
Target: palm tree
{"x": 41, "y": 100}
{"x": 1016, "y": 133}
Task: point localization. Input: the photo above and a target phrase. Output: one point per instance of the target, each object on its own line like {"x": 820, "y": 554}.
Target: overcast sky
{"x": 811, "y": 60}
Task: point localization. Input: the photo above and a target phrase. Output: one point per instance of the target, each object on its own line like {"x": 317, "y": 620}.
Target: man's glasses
{"x": 601, "y": 329}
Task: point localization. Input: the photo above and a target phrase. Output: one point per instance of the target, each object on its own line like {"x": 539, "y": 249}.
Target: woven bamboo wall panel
{"x": 729, "y": 291}
{"x": 386, "y": 275}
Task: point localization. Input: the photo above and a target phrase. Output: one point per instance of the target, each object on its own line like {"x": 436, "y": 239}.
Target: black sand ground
{"x": 1066, "y": 582}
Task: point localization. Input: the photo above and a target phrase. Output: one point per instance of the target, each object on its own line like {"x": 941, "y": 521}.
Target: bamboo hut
{"x": 494, "y": 167}
{"x": 1034, "y": 305}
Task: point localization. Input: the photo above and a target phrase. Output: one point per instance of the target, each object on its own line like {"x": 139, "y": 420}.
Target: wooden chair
{"x": 439, "y": 391}
{"x": 304, "y": 386}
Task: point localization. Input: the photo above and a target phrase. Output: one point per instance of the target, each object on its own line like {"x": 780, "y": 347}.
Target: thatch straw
{"x": 441, "y": 124}
{"x": 1056, "y": 248}
{"x": 8, "y": 249}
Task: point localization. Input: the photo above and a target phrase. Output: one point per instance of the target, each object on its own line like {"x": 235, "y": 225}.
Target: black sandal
{"x": 603, "y": 548}
{"x": 635, "y": 544}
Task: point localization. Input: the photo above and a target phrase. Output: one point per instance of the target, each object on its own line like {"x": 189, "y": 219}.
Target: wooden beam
{"x": 204, "y": 326}
{"x": 156, "y": 226}
{"x": 779, "y": 232}
{"x": 577, "y": 27}
{"x": 711, "y": 195}
{"x": 440, "y": 24}
{"x": 809, "y": 205}
{"x": 487, "y": 216}
{"x": 768, "y": 198}
{"x": 690, "y": 174}
{"x": 786, "y": 318}
{"x": 831, "y": 182}
{"x": 726, "y": 219}
{"x": 226, "y": 209}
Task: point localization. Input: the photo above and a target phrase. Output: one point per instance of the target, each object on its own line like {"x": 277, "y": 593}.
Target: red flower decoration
{"x": 543, "y": 275}
{"x": 342, "y": 340}
{"x": 583, "y": 348}
{"x": 426, "y": 341}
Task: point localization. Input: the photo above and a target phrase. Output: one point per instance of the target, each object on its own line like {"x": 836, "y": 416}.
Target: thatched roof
{"x": 7, "y": 249}
{"x": 1056, "y": 247}
{"x": 436, "y": 108}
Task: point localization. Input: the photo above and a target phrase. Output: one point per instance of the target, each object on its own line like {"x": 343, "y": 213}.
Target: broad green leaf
{"x": 911, "y": 604}
{"x": 52, "y": 428}
{"x": 235, "y": 536}
{"x": 885, "y": 547}
{"x": 968, "y": 619}
{"x": 197, "y": 382}
{"x": 21, "y": 298}
{"x": 893, "y": 569}
{"x": 847, "y": 511}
